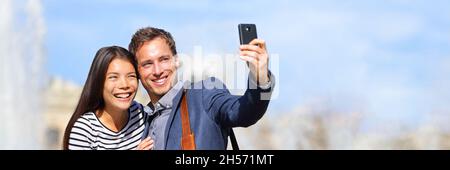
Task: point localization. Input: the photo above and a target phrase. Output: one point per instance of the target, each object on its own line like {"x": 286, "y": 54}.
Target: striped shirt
{"x": 88, "y": 133}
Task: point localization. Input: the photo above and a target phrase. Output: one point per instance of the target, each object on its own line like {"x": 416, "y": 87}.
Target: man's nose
{"x": 157, "y": 69}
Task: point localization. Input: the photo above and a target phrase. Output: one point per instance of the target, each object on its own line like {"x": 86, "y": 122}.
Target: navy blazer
{"x": 212, "y": 112}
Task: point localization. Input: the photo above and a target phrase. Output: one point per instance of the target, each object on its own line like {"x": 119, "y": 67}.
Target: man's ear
{"x": 177, "y": 62}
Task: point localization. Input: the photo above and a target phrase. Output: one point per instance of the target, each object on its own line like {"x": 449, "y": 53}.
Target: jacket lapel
{"x": 175, "y": 107}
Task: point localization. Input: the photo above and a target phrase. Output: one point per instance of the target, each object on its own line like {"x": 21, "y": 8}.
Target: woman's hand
{"x": 146, "y": 144}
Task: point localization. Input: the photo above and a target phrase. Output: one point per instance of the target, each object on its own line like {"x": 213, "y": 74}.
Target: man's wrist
{"x": 266, "y": 85}
{"x": 263, "y": 84}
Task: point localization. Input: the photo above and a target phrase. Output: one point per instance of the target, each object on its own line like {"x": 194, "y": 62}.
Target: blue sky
{"x": 389, "y": 58}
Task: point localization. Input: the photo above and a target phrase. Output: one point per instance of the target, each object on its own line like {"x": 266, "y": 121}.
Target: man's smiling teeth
{"x": 161, "y": 80}
{"x": 122, "y": 95}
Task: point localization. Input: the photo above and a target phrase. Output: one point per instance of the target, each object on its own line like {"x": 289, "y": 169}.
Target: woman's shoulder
{"x": 136, "y": 108}
{"x": 88, "y": 115}
{"x": 87, "y": 119}
{"x": 135, "y": 105}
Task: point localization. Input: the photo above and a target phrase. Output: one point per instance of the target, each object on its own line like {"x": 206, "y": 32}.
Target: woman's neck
{"x": 113, "y": 119}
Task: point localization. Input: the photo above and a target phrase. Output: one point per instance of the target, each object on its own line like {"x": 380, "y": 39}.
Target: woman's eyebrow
{"x": 112, "y": 73}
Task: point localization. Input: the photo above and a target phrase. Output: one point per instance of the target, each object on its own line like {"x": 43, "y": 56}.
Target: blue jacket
{"x": 212, "y": 112}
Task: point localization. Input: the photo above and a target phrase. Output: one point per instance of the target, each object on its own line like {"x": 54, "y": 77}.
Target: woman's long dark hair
{"x": 91, "y": 98}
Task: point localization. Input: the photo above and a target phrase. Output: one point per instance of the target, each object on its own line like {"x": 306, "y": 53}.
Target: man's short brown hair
{"x": 147, "y": 34}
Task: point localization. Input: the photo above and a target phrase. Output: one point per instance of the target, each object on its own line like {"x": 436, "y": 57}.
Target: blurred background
{"x": 351, "y": 74}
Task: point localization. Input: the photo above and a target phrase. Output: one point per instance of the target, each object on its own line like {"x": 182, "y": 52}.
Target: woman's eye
{"x": 112, "y": 77}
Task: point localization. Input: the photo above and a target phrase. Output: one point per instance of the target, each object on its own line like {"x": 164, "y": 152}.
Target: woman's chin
{"x": 122, "y": 105}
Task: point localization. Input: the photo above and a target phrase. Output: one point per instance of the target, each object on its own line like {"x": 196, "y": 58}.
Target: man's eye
{"x": 146, "y": 64}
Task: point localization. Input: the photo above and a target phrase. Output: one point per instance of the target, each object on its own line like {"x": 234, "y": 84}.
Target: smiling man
{"x": 211, "y": 112}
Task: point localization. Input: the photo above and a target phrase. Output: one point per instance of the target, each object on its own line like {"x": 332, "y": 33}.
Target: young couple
{"x": 106, "y": 116}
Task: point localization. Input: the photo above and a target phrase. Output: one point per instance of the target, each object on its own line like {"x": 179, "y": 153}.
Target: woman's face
{"x": 120, "y": 85}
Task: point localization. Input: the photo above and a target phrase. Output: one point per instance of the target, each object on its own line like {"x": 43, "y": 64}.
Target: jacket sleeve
{"x": 232, "y": 110}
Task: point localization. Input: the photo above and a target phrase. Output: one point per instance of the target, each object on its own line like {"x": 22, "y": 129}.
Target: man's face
{"x": 157, "y": 67}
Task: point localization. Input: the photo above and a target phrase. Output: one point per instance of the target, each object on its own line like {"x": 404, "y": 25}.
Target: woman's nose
{"x": 124, "y": 83}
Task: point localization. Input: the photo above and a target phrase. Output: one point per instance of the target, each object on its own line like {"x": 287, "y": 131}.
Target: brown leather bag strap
{"x": 187, "y": 137}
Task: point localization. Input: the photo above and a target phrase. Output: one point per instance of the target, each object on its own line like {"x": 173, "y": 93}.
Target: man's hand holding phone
{"x": 254, "y": 51}
{"x": 256, "y": 55}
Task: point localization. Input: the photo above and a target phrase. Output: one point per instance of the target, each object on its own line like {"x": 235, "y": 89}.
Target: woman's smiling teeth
{"x": 122, "y": 95}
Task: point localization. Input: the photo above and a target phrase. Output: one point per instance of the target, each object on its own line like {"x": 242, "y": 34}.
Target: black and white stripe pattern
{"x": 88, "y": 133}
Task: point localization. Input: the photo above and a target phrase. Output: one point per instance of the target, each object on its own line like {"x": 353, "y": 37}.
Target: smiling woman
{"x": 118, "y": 92}
{"x": 106, "y": 116}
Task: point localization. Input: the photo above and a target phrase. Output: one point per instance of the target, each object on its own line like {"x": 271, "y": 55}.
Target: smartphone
{"x": 247, "y": 32}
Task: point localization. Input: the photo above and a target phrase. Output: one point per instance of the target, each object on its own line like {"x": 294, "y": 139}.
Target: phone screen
{"x": 247, "y": 32}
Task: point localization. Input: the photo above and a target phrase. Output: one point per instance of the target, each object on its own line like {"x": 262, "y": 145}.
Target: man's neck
{"x": 154, "y": 102}
{"x": 154, "y": 99}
